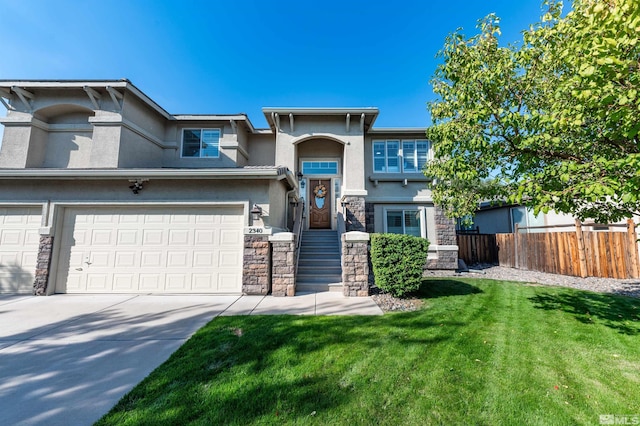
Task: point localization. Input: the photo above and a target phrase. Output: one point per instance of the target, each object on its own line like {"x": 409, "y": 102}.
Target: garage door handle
{"x": 78, "y": 269}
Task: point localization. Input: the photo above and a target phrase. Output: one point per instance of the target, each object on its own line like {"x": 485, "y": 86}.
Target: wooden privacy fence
{"x": 478, "y": 248}
{"x": 607, "y": 254}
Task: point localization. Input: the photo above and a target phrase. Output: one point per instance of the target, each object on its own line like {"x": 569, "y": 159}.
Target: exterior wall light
{"x": 299, "y": 176}
{"x": 256, "y": 212}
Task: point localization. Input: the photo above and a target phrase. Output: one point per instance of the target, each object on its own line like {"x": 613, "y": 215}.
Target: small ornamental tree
{"x": 552, "y": 122}
{"x": 398, "y": 262}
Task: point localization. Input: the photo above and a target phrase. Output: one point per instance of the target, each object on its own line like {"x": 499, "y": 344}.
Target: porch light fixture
{"x": 299, "y": 175}
{"x": 256, "y": 212}
{"x": 137, "y": 185}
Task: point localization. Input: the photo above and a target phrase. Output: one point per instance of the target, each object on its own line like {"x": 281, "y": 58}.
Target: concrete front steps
{"x": 319, "y": 267}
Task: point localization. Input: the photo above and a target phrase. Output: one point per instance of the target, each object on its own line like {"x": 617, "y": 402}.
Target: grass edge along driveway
{"x": 479, "y": 352}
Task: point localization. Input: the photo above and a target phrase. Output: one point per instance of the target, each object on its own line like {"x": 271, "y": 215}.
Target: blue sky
{"x": 224, "y": 57}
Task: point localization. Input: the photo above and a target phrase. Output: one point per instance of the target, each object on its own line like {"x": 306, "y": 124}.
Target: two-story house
{"x": 102, "y": 190}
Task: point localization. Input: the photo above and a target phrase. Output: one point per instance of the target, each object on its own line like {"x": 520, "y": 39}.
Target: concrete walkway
{"x": 67, "y": 359}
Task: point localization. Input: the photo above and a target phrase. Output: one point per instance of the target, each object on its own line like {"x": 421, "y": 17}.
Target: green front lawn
{"x": 479, "y": 352}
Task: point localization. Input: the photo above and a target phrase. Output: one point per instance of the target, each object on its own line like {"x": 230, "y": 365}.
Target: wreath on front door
{"x": 320, "y": 191}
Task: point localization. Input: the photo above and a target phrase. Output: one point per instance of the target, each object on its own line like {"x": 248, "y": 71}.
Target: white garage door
{"x": 19, "y": 240}
{"x": 151, "y": 250}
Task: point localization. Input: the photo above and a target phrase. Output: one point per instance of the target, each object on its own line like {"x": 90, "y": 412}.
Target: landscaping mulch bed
{"x": 388, "y": 303}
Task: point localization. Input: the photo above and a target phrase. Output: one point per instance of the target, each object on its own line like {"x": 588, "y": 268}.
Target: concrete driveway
{"x": 67, "y": 359}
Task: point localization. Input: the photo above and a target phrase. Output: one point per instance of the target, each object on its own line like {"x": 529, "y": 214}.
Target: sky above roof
{"x": 237, "y": 56}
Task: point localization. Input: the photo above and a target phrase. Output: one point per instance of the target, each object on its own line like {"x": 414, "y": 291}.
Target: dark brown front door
{"x": 320, "y": 204}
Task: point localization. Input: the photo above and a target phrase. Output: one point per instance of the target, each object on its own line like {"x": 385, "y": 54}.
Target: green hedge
{"x": 398, "y": 262}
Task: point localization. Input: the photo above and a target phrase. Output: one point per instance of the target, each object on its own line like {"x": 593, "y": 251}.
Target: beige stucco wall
{"x": 15, "y": 146}
{"x": 70, "y": 149}
{"x": 262, "y": 150}
{"x": 308, "y": 128}
{"x": 139, "y": 113}
{"x": 228, "y": 145}
{"x": 267, "y": 193}
{"x": 137, "y": 151}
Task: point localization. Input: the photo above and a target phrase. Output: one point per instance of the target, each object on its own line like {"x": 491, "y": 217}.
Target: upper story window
{"x": 201, "y": 143}
{"x": 395, "y": 156}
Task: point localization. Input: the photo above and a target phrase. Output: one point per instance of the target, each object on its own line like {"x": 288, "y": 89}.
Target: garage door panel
{"x": 29, "y": 258}
{"x": 153, "y": 237}
{"x": 32, "y": 237}
{"x": 125, "y": 259}
{"x": 203, "y": 258}
{"x": 180, "y": 219}
{"x": 178, "y": 282}
{"x": 82, "y": 237}
{"x": 128, "y": 237}
{"x": 204, "y": 237}
{"x": 202, "y": 282}
{"x": 227, "y": 282}
{"x": 230, "y": 236}
{"x": 100, "y": 259}
{"x": 125, "y": 282}
{"x": 19, "y": 241}
{"x": 127, "y": 219}
{"x": 228, "y": 259}
{"x": 11, "y": 237}
{"x": 178, "y": 259}
{"x": 231, "y": 220}
{"x": 151, "y": 259}
{"x": 102, "y": 237}
{"x": 151, "y": 282}
{"x": 179, "y": 236}
{"x": 155, "y": 218}
{"x": 99, "y": 282}
{"x": 152, "y": 249}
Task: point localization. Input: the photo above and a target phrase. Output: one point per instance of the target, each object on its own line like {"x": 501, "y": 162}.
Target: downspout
{"x": 286, "y": 209}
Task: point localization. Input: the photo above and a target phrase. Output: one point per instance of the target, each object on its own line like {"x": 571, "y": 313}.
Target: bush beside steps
{"x": 398, "y": 262}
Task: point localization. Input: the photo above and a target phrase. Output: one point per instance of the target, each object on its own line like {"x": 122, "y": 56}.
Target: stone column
{"x": 355, "y": 216}
{"x": 447, "y": 245}
{"x": 43, "y": 266}
{"x": 283, "y": 269}
{"x": 256, "y": 265}
{"x": 369, "y": 212}
{"x": 355, "y": 264}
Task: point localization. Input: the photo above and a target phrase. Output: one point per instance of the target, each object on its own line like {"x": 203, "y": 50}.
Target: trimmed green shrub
{"x": 398, "y": 262}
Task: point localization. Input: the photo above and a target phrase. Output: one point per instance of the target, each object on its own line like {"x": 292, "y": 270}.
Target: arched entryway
{"x": 320, "y": 160}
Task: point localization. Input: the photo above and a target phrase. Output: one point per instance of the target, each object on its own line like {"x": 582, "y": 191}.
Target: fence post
{"x": 633, "y": 247}
{"x": 581, "y": 255}
{"x": 515, "y": 245}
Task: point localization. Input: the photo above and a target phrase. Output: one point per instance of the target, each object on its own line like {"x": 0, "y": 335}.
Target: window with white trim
{"x": 404, "y": 222}
{"x": 201, "y": 143}
{"x": 319, "y": 168}
{"x": 395, "y": 156}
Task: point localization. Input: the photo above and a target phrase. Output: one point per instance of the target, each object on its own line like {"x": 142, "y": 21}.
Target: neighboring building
{"x": 102, "y": 190}
{"x": 501, "y": 219}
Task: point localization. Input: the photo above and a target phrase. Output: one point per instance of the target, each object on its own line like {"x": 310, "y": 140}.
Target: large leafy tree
{"x": 551, "y": 122}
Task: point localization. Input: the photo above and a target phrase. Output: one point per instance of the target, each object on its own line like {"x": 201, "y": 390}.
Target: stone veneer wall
{"x": 445, "y": 228}
{"x": 355, "y": 219}
{"x": 355, "y": 264}
{"x": 283, "y": 269}
{"x": 445, "y": 236}
{"x": 43, "y": 266}
{"x": 256, "y": 265}
{"x": 369, "y": 214}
